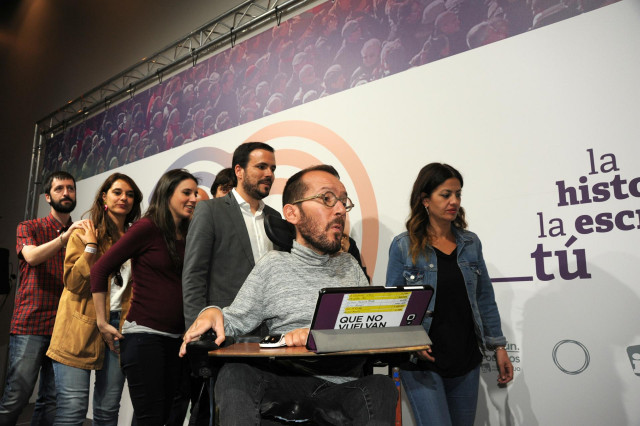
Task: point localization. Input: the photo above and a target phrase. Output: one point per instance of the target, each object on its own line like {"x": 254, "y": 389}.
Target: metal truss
{"x": 222, "y": 32}
{"x": 202, "y": 42}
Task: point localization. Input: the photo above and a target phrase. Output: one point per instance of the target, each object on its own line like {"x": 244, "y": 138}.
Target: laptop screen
{"x": 370, "y": 307}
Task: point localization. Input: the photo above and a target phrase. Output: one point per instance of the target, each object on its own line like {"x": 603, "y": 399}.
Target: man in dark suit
{"x": 226, "y": 235}
{"x": 225, "y": 240}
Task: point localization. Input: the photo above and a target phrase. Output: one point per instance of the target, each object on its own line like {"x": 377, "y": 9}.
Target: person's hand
{"x": 425, "y": 355}
{"x": 208, "y": 319}
{"x": 90, "y": 232}
{"x": 64, "y": 237}
{"x": 504, "y": 365}
{"x": 297, "y": 337}
{"x": 110, "y": 335}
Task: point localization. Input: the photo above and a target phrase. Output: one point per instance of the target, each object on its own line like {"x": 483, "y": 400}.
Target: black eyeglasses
{"x": 329, "y": 199}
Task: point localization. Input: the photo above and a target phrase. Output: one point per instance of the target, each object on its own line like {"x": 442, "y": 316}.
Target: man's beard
{"x": 61, "y": 208}
{"x": 254, "y": 189}
{"x": 320, "y": 240}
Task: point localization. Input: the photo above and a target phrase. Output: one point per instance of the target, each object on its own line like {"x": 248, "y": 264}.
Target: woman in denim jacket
{"x": 437, "y": 250}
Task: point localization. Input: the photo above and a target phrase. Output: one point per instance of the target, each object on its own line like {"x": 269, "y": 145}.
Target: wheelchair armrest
{"x": 198, "y": 353}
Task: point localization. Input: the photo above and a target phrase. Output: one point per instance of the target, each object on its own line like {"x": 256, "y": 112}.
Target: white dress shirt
{"x": 260, "y": 243}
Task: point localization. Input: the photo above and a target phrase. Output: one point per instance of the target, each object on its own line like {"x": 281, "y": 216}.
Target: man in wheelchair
{"x": 282, "y": 290}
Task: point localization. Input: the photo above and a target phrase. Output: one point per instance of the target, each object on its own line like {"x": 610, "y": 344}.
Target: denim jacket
{"x": 402, "y": 271}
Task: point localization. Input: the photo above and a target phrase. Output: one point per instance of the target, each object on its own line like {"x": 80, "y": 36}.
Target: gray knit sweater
{"x": 282, "y": 290}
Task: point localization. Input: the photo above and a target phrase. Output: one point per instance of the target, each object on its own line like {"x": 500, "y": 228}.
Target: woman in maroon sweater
{"x": 151, "y": 334}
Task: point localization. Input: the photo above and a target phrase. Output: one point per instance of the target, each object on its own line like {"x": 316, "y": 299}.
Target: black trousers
{"x": 152, "y": 367}
{"x": 244, "y": 391}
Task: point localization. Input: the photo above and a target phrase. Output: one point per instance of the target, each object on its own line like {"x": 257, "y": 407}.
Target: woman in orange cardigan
{"x": 76, "y": 344}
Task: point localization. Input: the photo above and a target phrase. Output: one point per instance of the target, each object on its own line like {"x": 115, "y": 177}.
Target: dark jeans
{"x": 242, "y": 392}
{"x": 152, "y": 367}
{"x": 27, "y": 359}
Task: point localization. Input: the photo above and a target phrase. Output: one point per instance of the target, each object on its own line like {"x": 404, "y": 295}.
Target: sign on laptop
{"x": 368, "y": 308}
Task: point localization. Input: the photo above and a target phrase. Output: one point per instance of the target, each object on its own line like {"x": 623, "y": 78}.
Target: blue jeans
{"x": 27, "y": 358}
{"x": 73, "y": 385}
{"x": 442, "y": 401}
{"x": 243, "y": 391}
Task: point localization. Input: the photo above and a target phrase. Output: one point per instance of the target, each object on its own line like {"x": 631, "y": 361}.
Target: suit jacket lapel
{"x": 237, "y": 222}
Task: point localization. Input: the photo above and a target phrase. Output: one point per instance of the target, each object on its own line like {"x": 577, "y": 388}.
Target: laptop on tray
{"x": 361, "y": 318}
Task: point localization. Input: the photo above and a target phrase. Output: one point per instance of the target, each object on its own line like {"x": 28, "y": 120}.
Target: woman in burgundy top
{"x": 151, "y": 334}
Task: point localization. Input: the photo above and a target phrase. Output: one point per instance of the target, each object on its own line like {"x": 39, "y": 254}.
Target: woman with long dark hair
{"x": 437, "y": 250}
{"x": 151, "y": 334}
{"x": 76, "y": 346}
